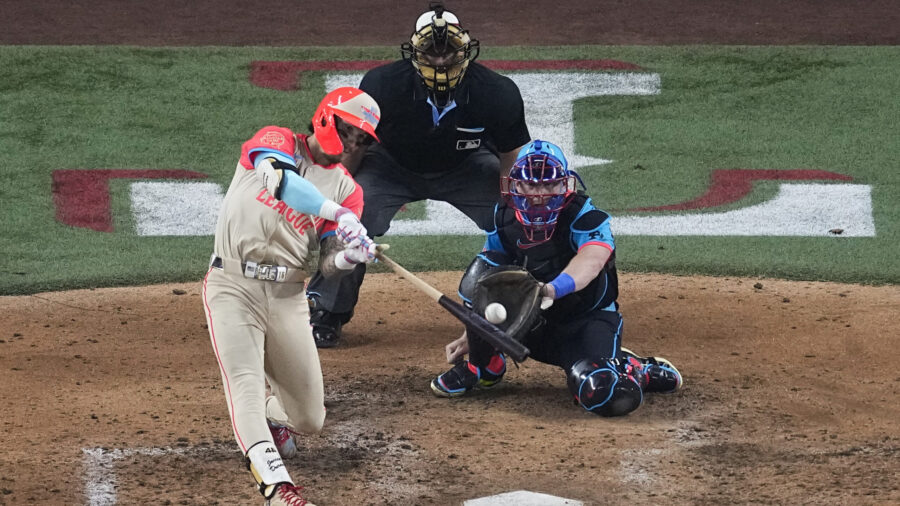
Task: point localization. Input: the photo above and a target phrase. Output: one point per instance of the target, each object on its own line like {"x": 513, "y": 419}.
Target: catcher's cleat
{"x": 461, "y": 378}
{"x": 284, "y": 440}
{"x": 288, "y": 495}
{"x": 659, "y": 374}
{"x": 326, "y": 328}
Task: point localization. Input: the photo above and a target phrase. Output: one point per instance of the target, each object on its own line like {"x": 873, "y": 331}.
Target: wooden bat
{"x": 474, "y": 322}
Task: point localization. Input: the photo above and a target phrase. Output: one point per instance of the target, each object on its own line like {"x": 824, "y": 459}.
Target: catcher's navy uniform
{"x": 582, "y": 324}
{"x": 542, "y": 226}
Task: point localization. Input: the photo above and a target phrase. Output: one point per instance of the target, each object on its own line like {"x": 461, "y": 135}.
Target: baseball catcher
{"x": 547, "y": 276}
{"x": 289, "y": 196}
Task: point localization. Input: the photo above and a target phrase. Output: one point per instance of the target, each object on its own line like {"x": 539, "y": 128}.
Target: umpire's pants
{"x": 473, "y": 188}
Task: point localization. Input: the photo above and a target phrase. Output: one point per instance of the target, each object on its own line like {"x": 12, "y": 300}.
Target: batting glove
{"x": 349, "y": 229}
{"x": 351, "y": 257}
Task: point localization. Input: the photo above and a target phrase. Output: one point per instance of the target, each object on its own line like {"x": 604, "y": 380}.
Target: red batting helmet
{"x": 354, "y": 106}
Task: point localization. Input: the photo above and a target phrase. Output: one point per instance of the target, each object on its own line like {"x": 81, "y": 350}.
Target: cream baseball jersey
{"x": 253, "y": 226}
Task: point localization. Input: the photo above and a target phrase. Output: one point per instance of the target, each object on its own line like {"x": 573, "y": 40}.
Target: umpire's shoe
{"x": 659, "y": 374}
{"x": 464, "y": 377}
{"x": 326, "y": 327}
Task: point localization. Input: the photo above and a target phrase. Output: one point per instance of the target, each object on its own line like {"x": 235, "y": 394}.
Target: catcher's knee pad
{"x": 603, "y": 387}
{"x": 483, "y": 263}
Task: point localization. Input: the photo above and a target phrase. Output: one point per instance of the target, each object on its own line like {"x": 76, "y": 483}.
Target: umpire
{"x": 449, "y": 126}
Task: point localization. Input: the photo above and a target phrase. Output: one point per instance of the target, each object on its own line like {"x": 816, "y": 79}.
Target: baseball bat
{"x": 473, "y": 321}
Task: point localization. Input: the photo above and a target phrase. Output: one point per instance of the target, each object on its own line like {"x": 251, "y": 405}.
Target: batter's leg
{"x": 292, "y": 363}
{"x": 236, "y": 335}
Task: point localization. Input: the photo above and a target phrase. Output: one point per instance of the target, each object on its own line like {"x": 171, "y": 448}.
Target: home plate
{"x": 522, "y": 498}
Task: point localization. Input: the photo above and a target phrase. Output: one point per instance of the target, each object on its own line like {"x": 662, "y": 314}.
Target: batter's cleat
{"x": 463, "y": 377}
{"x": 659, "y": 374}
{"x": 326, "y": 328}
{"x": 284, "y": 440}
{"x": 288, "y": 495}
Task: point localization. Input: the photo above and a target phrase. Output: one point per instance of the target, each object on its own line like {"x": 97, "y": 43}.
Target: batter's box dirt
{"x": 779, "y": 405}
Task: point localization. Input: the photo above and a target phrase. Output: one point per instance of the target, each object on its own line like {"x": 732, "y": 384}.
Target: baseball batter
{"x": 289, "y": 196}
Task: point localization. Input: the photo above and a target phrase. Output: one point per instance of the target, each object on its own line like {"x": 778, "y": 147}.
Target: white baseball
{"x": 495, "y": 313}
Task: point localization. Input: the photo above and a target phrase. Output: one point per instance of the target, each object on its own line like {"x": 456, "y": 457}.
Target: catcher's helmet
{"x": 605, "y": 387}
{"x": 440, "y": 50}
{"x": 354, "y": 106}
{"x": 538, "y": 187}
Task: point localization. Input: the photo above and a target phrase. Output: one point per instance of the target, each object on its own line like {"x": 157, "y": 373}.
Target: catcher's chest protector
{"x": 546, "y": 260}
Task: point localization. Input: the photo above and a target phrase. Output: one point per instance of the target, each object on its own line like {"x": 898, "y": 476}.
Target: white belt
{"x": 253, "y": 270}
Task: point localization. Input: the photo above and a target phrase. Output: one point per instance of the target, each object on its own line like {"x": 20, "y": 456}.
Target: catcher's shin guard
{"x": 267, "y": 468}
{"x": 606, "y": 387}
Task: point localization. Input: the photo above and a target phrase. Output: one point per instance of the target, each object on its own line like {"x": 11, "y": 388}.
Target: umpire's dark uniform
{"x": 449, "y": 155}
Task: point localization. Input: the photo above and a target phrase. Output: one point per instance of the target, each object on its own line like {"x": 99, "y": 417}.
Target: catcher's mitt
{"x": 519, "y": 293}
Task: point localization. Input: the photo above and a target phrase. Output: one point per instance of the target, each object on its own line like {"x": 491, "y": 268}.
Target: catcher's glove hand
{"x": 517, "y": 290}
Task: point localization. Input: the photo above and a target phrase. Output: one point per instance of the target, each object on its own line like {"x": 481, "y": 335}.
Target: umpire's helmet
{"x": 605, "y": 387}
{"x": 354, "y": 107}
{"x": 440, "y": 50}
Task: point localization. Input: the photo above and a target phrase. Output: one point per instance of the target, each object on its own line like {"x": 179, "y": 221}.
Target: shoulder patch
{"x": 272, "y": 138}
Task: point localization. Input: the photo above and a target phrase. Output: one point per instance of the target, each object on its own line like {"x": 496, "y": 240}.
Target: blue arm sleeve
{"x": 260, "y": 153}
{"x": 300, "y": 194}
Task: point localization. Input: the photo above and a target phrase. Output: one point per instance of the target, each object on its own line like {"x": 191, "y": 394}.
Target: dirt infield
{"x": 790, "y": 397}
{"x": 113, "y": 395}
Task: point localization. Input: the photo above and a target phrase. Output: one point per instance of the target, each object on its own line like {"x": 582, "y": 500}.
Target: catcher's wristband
{"x": 563, "y": 285}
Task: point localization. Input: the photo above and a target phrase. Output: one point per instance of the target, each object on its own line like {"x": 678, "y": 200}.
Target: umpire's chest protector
{"x": 547, "y": 260}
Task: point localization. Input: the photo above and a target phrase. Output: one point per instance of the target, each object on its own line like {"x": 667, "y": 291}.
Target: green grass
{"x": 828, "y": 108}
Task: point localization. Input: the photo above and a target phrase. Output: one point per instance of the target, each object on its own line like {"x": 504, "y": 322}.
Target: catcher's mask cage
{"x": 538, "y": 187}
{"x": 354, "y": 107}
{"x": 440, "y": 51}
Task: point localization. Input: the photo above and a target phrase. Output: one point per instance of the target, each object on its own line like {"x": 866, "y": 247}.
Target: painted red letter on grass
{"x": 82, "y": 200}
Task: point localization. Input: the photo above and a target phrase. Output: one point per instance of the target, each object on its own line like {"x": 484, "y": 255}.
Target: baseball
{"x": 495, "y": 313}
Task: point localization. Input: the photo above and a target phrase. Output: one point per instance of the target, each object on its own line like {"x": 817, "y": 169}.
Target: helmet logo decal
{"x": 370, "y": 116}
{"x": 272, "y": 138}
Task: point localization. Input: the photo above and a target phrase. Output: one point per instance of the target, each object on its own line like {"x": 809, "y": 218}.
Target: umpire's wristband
{"x": 563, "y": 285}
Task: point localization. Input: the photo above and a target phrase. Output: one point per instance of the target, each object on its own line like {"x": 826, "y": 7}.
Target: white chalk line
{"x": 100, "y": 474}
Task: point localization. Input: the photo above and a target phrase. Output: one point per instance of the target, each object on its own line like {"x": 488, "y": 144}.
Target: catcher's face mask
{"x": 538, "y": 187}
{"x": 440, "y": 50}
